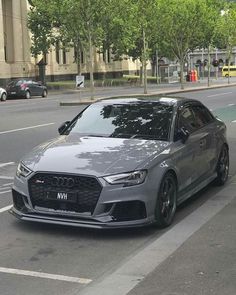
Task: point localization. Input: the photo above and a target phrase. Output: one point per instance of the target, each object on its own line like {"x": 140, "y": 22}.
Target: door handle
{"x": 202, "y": 143}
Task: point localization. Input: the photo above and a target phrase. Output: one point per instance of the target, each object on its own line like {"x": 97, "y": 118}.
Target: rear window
{"x": 18, "y": 82}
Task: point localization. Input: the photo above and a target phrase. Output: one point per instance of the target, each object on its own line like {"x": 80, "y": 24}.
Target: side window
{"x": 202, "y": 116}
{"x": 186, "y": 119}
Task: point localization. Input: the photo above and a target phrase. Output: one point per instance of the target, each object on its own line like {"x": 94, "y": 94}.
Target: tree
{"x": 180, "y": 28}
{"x": 225, "y": 31}
{"x": 40, "y": 24}
{"x": 75, "y": 23}
{"x": 213, "y": 13}
{"x": 128, "y": 29}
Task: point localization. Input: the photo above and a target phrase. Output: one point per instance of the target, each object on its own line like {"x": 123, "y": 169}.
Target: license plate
{"x": 13, "y": 92}
{"x": 62, "y": 196}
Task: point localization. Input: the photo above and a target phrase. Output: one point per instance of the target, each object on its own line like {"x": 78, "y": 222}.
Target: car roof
{"x": 168, "y": 100}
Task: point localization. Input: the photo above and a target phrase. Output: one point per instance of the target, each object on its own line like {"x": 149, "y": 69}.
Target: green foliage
{"x": 225, "y": 31}
{"x": 133, "y": 27}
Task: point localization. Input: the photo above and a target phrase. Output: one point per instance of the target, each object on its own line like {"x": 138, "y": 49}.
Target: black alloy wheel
{"x": 166, "y": 201}
{"x": 222, "y": 168}
{"x": 27, "y": 94}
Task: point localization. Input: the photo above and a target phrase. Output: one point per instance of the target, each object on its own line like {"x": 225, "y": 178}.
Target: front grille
{"x": 85, "y": 190}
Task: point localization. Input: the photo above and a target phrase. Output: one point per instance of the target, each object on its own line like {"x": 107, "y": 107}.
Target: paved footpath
{"x": 195, "y": 257}
{"x": 205, "y": 264}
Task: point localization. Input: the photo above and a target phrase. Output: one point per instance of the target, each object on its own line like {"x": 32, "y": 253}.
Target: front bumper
{"x": 116, "y": 207}
{"x": 98, "y": 223}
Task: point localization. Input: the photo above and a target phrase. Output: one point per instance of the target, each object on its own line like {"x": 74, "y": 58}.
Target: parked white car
{"x": 3, "y": 94}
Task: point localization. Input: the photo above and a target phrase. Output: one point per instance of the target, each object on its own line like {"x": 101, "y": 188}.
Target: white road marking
{"x": 219, "y": 94}
{"x": 45, "y": 275}
{"x": 231, "y": 104}
{"x": 234, "y": 121}
{"x": 5, "y": 208}
{"x": 1, "y": 193}
{"x": 6, "y": 184}
{"x": 26, "y": 128}
{"x": 6, "y": 164}
{"x": 6, "y": 177}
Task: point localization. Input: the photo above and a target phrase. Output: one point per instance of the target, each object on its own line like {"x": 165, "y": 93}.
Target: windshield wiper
{"x": 121, "y": 135}
{"x": 95, "y": 135}
{"x": 145, "y": 136}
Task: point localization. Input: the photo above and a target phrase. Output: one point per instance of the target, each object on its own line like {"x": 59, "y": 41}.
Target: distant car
{"x": 122, "y": 162}
{"x": 26, "y": 89}
{"x": 3, "y": 94}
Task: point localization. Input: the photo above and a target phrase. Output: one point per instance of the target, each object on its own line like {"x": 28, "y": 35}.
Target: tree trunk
{"x": 144, "y": 62}
{"x": 182, "y": 73}
{"x": 91, "y": 65}
{"x": 208, "y": 66}
{"x": 78, "y": 64}
{"x": 228, "y": 57}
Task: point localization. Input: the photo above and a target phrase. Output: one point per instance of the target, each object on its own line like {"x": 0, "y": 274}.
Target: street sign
{"x": 79, "y": 81}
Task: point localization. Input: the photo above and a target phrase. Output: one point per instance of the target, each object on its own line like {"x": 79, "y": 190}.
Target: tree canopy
{"x": 132, "y": 28}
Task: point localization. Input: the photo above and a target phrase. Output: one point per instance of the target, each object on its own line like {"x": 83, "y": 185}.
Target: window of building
{"x": 64, "y": 55}
{"x": 57, "y": 52}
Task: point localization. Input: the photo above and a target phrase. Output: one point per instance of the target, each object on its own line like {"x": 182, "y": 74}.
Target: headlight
{"x": 22, "y": 170}
{"x": 128, "y": 179}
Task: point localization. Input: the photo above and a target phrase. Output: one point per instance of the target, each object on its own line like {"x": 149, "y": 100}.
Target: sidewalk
{"x": 205, "y": 264}
{"x": 197, "y": 256}
{"x": 84, "y": 95}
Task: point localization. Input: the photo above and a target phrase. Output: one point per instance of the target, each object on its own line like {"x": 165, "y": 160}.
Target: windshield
{"x": 146, "y": 120}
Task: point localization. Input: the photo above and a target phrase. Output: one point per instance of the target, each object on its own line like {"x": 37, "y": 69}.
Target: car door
{"x": 207, "y": 136}
{"x": 38, "y": 88}
{"x": 186, "y": 154}
{"x": 31, "y": 87}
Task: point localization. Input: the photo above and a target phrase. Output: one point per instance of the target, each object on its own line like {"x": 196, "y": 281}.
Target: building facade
{"x": 16, "y": 60}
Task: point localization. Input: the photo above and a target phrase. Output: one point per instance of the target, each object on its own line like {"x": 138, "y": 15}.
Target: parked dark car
{"x": 26, "y": 89}
{"x": 122, "y": 163}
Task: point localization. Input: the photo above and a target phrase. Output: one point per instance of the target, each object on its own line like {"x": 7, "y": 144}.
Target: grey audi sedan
{"x": 123, "y": 162}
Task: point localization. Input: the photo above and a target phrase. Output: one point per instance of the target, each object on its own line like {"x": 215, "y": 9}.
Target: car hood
{"x": 93, "y": 155}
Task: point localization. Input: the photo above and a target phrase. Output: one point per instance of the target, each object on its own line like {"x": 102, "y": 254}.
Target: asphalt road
{"x": 42, "y": 259}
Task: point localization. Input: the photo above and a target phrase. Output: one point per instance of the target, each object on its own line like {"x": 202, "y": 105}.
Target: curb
{"x": 161, "y": 92}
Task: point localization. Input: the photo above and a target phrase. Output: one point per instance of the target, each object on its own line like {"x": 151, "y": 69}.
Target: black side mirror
{"x": 63, "y": 127}
{"x": 183, "y": 134}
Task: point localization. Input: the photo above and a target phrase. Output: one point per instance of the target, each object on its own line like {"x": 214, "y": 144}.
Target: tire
{"x": 222, "y": 168}
{"x": 4, "y": 97}
{"x": 27, "y": 95}
{"x": 166, "y": 201}
{"x": 44, "y": 94}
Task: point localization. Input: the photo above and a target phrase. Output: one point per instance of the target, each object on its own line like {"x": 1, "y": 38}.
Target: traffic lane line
{"x": 5, "y": 192}
{"x": 6, "y": 164}
{"x": 43, "y": 275}
{"x": 4, "y": 209}
{"x": 6, "y": 177}
{"x": 26, "y": 128}
{"x": 219, "y": 94}
{"x": 7, "y": 184}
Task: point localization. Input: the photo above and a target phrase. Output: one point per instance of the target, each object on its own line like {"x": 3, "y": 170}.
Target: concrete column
{"x": 2, "y": 54}
{"x": 25, "y": 32}
{"x": 17, "y": 30}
